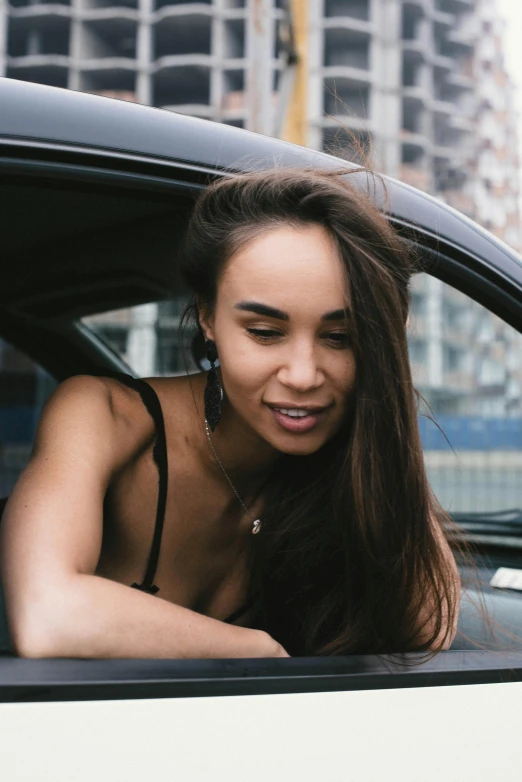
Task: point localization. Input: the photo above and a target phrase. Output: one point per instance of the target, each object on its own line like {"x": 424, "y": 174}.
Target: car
{"x": 95, "y": 195}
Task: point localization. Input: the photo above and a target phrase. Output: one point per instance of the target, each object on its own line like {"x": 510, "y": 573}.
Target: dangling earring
{"x": 213, "y": 389}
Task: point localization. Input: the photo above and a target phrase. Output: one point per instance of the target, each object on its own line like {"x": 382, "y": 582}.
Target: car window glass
{"x": 467, "y": 364}
{"x": 24, "y": 387}
{"x": 146, "y": 337}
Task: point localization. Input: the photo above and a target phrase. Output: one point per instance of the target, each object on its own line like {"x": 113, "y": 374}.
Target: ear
{"x": 205, "y": 318}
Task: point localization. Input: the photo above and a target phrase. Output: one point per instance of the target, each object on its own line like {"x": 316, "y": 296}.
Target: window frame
{"x": 50, "y": 680}
{"x": 89, "y": 680}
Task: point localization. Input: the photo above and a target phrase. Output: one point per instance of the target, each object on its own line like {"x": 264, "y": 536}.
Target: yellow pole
{"x": 295, "y": 127}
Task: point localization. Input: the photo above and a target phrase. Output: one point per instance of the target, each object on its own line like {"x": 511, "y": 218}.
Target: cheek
{"x": 341, "y": 371}
{"x": 245, "y": 372}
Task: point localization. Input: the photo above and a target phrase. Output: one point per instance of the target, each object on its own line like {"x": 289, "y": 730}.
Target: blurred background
{"x": 425, "y": 82}
{"x": 429, "y": 87}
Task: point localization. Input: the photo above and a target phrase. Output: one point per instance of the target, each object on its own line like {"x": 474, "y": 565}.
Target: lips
{"x": 297, "y": 419}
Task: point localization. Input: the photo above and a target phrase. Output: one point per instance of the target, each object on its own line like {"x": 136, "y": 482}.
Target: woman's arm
{"x": 50, "y": 543}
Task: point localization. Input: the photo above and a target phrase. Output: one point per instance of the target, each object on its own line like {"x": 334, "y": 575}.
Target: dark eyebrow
{"x": 261, "y": 309}
{"x": 337, "y": 315}
{"x": 272, "y": 312}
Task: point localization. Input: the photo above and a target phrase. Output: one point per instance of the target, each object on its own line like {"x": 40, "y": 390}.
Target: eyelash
{"x": 267, "y": 334}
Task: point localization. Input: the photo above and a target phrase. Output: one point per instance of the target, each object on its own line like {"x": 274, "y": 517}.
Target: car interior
{"x": 72, "y": 250}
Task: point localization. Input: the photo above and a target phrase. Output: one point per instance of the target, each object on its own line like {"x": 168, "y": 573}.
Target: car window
{"x": 467, "y": 364}
{"x": 24, "y": 387}
{"x": 146, "y": 337}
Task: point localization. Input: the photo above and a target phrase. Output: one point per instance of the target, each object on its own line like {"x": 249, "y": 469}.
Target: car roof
{"x": 34, "y": 113}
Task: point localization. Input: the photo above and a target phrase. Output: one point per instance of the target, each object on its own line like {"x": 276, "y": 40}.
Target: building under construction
{"x": 420, "y": 81}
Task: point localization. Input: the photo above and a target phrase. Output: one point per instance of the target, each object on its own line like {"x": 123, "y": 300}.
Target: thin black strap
{"x": 151, "y": 401}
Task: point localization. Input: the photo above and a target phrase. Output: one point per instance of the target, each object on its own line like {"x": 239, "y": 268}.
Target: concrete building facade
{"x": 191, "y": 57}
{"x": 423, "y": 80}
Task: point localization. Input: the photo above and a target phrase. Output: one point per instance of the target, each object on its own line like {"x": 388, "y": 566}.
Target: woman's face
{"x": 284, "y": 344}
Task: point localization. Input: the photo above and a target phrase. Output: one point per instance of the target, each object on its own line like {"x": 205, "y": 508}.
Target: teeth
{"x": 294, "y": 413}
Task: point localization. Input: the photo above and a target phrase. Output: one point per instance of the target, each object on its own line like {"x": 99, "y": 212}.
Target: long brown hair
{"x": 348, "y": 557}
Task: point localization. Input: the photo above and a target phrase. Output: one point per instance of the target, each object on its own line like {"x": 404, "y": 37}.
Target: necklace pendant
{"x": 256, "y": 526}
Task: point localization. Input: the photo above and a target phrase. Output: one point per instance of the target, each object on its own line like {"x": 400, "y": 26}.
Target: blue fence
{"x": 465, "y": 433}
{"x": 461, "y": 484}
{"x": 471, "y": 433}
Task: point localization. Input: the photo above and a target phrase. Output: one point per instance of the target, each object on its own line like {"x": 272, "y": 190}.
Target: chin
{"x": 298, "y": 445}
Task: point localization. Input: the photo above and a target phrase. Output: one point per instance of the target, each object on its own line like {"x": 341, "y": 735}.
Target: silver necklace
{"x": 256, "y": 525}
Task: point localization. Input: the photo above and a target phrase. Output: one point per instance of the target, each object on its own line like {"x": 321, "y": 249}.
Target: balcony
{"x": 442, "y": 62}
{"x": 38, "y": 44}
{"x": 442, "y": 20}
{"x": 36, "y": 35}
{"x": 349, "y": 24}
{"x": 414, "y": 50}
{"x": 353, "y": 9}
{"x": 179, "y": 83}
{"x": 416, "y": 95}
{"x": 415, "y": 140}
{"x": 353, "y": 145}
{"x": 236, "y": 9}
{"x": 346, "y": 97}
{"x": 50, "y": 69}
{"x": 28, "y": 14}
{"x": 448, "y": 158}
{"x": 354, "y": 123}
{"x": 443, "y": 107}
{"x": 463, "y": 123}
{"x": 185, "y": 34}
{"x": 104, "y": 15}
{"x": 345, "y": 48}
{"x": 412, "y": 17}
{"x": 420, "y": 5}
{"x": 461, "y": 81}
{"x": 27, "y": 5}
{"x": 200, "y": 62}
{"x": 462, "y": 38}
{"x": 234, "y": 43}
{"x": 455, "y": 6}
{"x": 110, "y": 38}
{"x": 108, "y": 76}
{"x": 348, "y": 73}
{"x": 184, "y": 5}
{"x": 108, "y": 5}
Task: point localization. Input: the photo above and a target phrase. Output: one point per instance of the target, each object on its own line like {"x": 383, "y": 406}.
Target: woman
{"x": 305, "y": 435}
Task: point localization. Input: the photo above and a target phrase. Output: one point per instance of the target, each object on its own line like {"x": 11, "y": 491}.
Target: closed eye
{"x": 264, "y": 333}
{"x": 340, "y": 338}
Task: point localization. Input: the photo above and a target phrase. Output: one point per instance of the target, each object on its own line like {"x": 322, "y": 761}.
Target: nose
{"x": 300, "y": 370}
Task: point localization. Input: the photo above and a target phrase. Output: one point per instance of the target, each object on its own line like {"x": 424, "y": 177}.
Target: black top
{"x": 152, "y": 403}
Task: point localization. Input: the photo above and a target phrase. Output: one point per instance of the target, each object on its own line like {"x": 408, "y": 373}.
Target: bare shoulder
{"x": 179, "y": 397}
{"x": 98, "y": 410}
